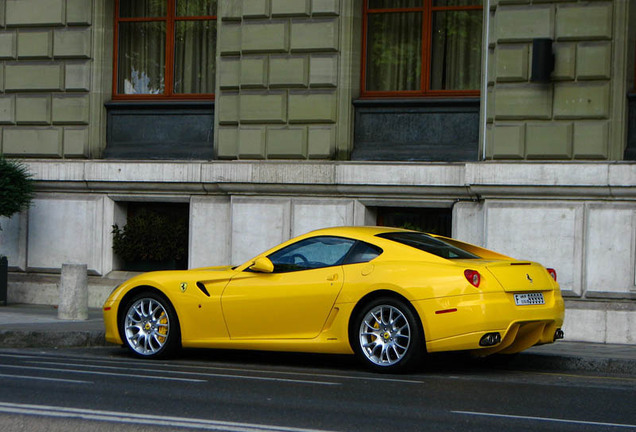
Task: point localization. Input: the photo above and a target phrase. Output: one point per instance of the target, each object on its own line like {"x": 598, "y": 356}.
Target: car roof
{"x": 356, "y": 232}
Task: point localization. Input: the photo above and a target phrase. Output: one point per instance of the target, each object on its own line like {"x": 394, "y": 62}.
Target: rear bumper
{"x": 459, "y": 322}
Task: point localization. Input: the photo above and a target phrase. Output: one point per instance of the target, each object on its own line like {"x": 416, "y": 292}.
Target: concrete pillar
{"x": 73, "y": 292}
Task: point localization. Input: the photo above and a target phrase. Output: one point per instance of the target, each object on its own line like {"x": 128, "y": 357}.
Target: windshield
{"x": 428, "y": 244}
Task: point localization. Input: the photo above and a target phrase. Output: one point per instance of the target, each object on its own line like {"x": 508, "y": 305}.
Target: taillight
{"x": 473, "y": 277}
{"x": 552, "y": 273}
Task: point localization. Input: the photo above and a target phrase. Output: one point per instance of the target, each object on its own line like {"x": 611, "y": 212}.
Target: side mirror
{"x": 262, "y": 265}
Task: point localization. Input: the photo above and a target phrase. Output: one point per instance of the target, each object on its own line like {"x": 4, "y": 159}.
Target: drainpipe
{"x": 485, "y": 96}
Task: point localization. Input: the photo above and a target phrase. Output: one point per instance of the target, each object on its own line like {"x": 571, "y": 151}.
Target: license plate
{"x": 529, "y": 299}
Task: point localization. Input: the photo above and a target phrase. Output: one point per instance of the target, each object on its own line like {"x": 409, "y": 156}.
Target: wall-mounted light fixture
{"x": 542, "y": 60}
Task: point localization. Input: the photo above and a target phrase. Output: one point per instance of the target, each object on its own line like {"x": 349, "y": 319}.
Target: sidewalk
{"x": 37, "y": 326}
{"x": 34, "y": 326}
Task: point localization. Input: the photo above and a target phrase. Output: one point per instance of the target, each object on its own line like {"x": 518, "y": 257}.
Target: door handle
{"x": 333, "y": 277}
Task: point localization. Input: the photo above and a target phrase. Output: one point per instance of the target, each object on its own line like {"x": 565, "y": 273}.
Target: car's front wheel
{"x": 387, "y": 335}
{"x": 149, "y": 326}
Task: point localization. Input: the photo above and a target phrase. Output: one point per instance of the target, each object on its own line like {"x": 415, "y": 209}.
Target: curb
{"x": 562, "y": 363}
{"x": 48, "y": 339}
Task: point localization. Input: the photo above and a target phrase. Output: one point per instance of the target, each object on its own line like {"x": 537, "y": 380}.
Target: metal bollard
{"x": 4, "y": 271}
{"x": 73, "y": 293}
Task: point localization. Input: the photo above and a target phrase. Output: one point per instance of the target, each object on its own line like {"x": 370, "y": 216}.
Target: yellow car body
{"x": 307, "y": 309}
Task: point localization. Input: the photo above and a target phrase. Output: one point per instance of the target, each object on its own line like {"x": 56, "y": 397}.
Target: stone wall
{"x": 580, "y": 113}
{"x": 278, "y": 79}
{"x": 577, "y": 218}
{"x": 45, "y": 63}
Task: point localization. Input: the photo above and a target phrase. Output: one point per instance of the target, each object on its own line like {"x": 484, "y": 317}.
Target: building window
{"x": 421, "y": 48}
{"x": 164, "y": 49}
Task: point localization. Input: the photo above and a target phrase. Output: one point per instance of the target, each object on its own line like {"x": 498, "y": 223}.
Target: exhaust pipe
{"x": 490, "y": 339}
{"x": 558, "y": 334}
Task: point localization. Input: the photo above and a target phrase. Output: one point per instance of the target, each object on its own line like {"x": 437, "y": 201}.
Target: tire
{"x": 387, "y": 336}
{"x": 149, "y": 326}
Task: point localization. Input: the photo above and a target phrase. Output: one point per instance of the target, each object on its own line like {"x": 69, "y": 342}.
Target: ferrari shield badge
{"x": 183, "y": 286}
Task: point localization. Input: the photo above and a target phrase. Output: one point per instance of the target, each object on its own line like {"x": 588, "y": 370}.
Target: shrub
{"x": 151, "y": 236}
{"x": 16, "y": 187}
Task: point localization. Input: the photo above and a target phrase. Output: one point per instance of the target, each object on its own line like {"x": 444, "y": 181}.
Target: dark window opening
{"x": 154, "y": 237}
{"x": 429, "y": 220}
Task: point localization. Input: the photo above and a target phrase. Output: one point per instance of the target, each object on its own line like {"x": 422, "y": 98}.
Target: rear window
{"x": 428, "y": 244}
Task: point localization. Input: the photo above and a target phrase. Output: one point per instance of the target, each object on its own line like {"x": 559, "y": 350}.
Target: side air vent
{"x": 203, "y": 288}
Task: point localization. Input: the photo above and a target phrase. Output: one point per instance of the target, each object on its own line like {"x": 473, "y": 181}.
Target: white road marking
{"x": 545, "y": 419}
{"x": 249, "y": 377}
{"x": 142, "y": 419}
{"x": 46, "y": 379}
{"x": 233, "y": 369}
{"x": 102, "y": 373}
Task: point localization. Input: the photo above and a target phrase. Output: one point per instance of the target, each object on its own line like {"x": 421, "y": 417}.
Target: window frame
{"x": 427, "y": 9}
{"x": 170, "y": 19}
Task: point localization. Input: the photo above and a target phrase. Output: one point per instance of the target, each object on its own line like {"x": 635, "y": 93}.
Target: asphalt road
{"x": 101, "y": 389}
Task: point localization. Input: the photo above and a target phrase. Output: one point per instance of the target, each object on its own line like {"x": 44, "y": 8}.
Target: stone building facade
{"x": 292, "y": 141}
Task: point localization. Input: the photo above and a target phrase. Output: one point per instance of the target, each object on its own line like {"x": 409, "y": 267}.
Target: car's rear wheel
{"x": 388, "y": 336}
{"x": 149, "y": 326}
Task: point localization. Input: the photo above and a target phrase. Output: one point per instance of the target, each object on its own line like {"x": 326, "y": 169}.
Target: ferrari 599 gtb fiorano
{"x": 386, "y": 295}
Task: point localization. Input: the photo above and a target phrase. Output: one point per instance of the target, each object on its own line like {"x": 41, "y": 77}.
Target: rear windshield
{"x": 428, "y": 244}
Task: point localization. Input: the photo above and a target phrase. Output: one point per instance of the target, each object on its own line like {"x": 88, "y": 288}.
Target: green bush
{"x": 151, "y": 236}
{"x": 16, "y": 187}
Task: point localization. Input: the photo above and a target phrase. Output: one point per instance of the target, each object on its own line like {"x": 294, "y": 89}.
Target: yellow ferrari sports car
{"x": 386, "y": 295}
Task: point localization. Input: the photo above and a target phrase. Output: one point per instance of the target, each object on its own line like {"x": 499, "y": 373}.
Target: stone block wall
{"x": 278, "y": 79}
{"x": 579, "y": 114}
{"x": 45, "y": 77}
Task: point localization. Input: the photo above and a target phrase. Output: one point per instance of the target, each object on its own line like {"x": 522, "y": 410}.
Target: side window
{"x": 311, "y": 253}
{"x": 362, "y": 252}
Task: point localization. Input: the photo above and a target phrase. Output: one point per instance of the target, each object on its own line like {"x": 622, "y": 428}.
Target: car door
{"x": 294, "y": 300}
